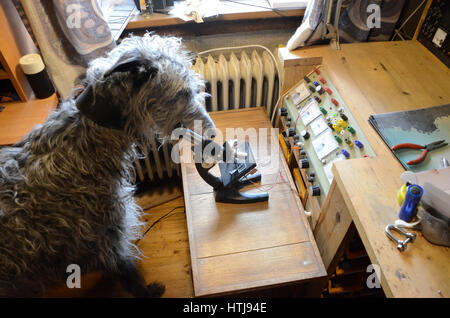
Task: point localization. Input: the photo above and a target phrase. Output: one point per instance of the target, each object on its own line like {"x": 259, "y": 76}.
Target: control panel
{"x": 318, "y": 130}
{"x": 435, "y": 28}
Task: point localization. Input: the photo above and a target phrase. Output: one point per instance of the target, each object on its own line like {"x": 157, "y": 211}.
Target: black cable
{"x": 278, "y": 11}
{"x": 156, "y": 222}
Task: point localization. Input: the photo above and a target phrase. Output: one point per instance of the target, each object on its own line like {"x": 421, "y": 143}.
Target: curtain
{"x": 69, "y": 33}
{"x": 356, "y": 22}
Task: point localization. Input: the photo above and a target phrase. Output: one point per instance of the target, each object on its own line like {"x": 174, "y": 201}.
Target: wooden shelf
{"x": 15, "y": 42}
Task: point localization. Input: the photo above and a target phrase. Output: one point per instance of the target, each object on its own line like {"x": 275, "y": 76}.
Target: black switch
{"x": 314, "y": 190}
{"x": 303, "y": 163}
{"x": 305, "y": 134}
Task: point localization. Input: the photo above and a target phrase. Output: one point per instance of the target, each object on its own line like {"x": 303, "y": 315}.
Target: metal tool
{"x": 236, "y": 165}
{"x": 427, "y": 148}
{"x": 401, "y": 244}
{"x": 408, "y": 209}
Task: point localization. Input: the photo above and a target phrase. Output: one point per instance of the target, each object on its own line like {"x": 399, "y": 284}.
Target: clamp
{"x": 401, "y": 245}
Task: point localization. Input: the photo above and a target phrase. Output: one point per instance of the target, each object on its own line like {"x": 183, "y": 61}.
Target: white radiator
{"x": 236, "y": 80}
{"x": 239, "y": 80}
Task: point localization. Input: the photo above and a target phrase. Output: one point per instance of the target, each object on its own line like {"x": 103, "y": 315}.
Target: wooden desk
{"x": 376, "y": 78}
{"x": 17, "y": 119}
{"x": 236, "y": 248}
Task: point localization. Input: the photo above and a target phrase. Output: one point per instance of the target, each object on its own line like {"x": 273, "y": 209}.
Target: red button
{"x": 317, "y": 71}
{"x": 324, "y": 81}
{"x": 328, "y": 90}
{"x": 335, "y": 102}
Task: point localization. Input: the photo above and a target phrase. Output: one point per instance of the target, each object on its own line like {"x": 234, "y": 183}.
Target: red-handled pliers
{"x": 427, "y": 148}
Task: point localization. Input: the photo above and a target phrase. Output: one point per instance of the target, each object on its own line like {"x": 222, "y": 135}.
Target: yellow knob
{"x": 342, "y": 123}
{"x": 401, "y": 194}
{"x": 337, "y": 128}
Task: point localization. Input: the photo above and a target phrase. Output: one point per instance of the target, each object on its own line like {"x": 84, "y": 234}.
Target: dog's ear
{"x": 140, "y": 71}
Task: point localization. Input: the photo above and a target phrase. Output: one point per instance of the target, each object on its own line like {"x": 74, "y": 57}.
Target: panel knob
{"x": 314, "y": 190}
{"x": 303, "y": 163}
{"x": 359, "y": 144}
{"x": 305, "y": 134}
{"x": 345, "y": 153}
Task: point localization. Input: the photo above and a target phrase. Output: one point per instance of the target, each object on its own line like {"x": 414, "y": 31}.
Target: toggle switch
{"x": 348, "y": 142}
{"x": 324, "y": 81}
{"x": 336, "y": 128}
{"x": 359, "y": 144}
{"x": 314, "y": 190}
{"x": 345, "y": 153}
{"x": 328, "y": 90}
{"x": 303, "y": 163}
{"x": 342, "y": 123}
{"x": 335, "y": 102}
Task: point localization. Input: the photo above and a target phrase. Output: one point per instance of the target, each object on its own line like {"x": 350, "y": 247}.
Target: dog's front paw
{"x": 155, "y": 290}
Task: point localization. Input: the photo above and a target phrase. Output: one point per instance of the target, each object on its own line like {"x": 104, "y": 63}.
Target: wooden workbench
{"x": 240, "y": 247}
{"x": 376, "y": 78}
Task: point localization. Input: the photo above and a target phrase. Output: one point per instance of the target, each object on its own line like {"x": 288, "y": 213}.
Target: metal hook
{"x": 401, "y": 245}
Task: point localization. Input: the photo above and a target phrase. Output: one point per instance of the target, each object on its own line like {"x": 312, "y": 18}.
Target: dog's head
{"x": 145, "y": 85}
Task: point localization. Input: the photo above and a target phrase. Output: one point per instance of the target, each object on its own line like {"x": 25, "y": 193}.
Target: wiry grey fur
{"x": 66, "y": 193}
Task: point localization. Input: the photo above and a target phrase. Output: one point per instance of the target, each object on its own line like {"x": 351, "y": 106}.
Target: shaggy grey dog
{"x": 66, "y": 189}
